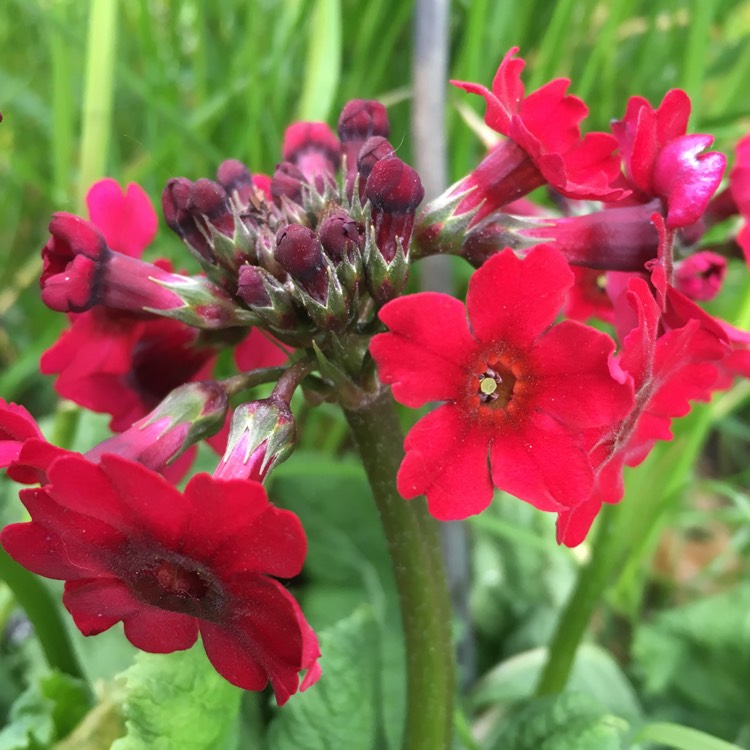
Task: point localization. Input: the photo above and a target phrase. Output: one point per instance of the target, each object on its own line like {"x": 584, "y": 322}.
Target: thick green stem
{"x": 575, "y": 618}
{"x": 420, "y": 578}
{"x": 39, "y": 605}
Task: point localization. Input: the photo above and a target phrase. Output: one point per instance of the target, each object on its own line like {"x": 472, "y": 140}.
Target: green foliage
{"x": 178, "y": 702}
{"x": 571, "y": 721}
{"x": 46, "y": 712}
{"x": 594, "y": 672}
{"x": 341, "y": 710}
{"x": 347, "y": 564}
{"x": 694, "y": 661}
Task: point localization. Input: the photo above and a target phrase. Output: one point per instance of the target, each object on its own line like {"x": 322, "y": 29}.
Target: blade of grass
{"x": 98, "y": 94}
{"x": 323, "y": 61}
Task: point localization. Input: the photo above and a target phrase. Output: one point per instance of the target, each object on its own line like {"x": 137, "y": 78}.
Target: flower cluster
{"x": 302, "y": 276}
{"x": 551, "y": 412}
{"x": 292, "y": 266}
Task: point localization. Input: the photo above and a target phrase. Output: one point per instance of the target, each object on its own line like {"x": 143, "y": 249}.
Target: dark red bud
{"x": 299, "y": 253}
{"x": 250, "y": 288}
{"x": 175, "y": 200}
{"x": 209, "y": 199}
{"x": 340, "y": 234}
{"x": 236, "y": 179}
{"x": 375, "y": 149}
{"x": 287, "y": 181}
{"x": 394, "y": 187}
{"x": 362, "y": 118}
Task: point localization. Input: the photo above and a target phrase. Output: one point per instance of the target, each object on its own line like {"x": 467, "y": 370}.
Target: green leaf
{"x": 692, "y": 658}
{"x": 594, "y": 672}
{"x": 340, "y": 710}
{"x": 178, "y": 702}
{"x": 571, "y": 721}
{"x": 682, "y": 738}
{"x": 347, "y": 565}
{"x": 47, "y": 711}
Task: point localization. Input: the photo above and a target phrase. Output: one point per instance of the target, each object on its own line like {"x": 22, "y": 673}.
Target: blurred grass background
{"x": 175, "y": 87}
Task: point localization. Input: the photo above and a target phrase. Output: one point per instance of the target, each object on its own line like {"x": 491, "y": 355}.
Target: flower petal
{"x": 446, "y": 460}
{"x": 158, "y": 631}
{"x": 542, "y": 463}
{"x": 247, "y": 532}
{"x": 127, "y": 220}
{"x": 514, "y": 300}
{"x": 267, "y": 639}
{"x": 575, "y": 384}
{"x": 96, "y": 605}
{"x": 423, "y": 356}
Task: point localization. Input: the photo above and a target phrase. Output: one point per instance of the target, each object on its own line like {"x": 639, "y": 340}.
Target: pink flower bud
{"x": 262, "y": 435}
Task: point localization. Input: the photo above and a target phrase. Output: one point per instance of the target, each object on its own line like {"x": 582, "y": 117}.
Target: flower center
{"x": 496, "y": 387}
{"x": 178, "y": 584}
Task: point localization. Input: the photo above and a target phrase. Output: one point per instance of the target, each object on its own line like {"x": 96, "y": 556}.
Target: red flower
{"x": 545, "y": 143}
{"x": 662, "y": 161}
{"x": 131, "y": 547}
{"x": 112, "y": 361}
{"x": 522, "y": 393}
{"x": 668, "y": 370}
{"x": 121, "y": 365}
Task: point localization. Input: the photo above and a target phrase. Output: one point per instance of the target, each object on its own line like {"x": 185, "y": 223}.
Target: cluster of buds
{"x": 319, "y": 246}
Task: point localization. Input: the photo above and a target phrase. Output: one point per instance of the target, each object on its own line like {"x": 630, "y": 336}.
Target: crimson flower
{"x": 525, "y": 397}
{"x": 545, "y": 143}
{"x": 662, "y": 161}
{"x": 671, "y": 358}
{"x": 170, "y": 565}
{"x": 113, "y": 361}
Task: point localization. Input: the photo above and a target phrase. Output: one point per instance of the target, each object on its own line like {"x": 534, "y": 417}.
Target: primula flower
{"x": 525, "y": 397}
{"x": 662, "y": 161}
{"x": 544, "y": 146}
{"x": 170, "y": 565}
{"x": 113, "y": 361}
{"x": 121, "y": 365}
{"x": 671, "y": 359}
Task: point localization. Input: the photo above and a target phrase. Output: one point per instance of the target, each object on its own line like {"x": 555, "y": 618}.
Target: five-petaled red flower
{"x": 131, "y": 547}
{"x": 526, "y": 399}
{"x": 545, "y": 143}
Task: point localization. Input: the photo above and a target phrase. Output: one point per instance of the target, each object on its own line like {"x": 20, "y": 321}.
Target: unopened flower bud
{"x": 176, "y": 201}
{"x": 700, "y": 276}
{"x": 81, "y": 271}
{"x": 236, "y": 179}
{"x": 394, "y": 190}
{"x": 360, "y": 119}
{"x": 314, "y": 149}
{"x": 267, "y": 298}
{"x": 373, "y": 150}
{"x": 250, "y": 288}
{"x": 340, "y": 235}
{"x": 300, "y": 254}
{"x": 262, "y": 435}
{"x": 287, "y": 183}
{"x": 209, "y": 200}
{"x": 190, "y": 413}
